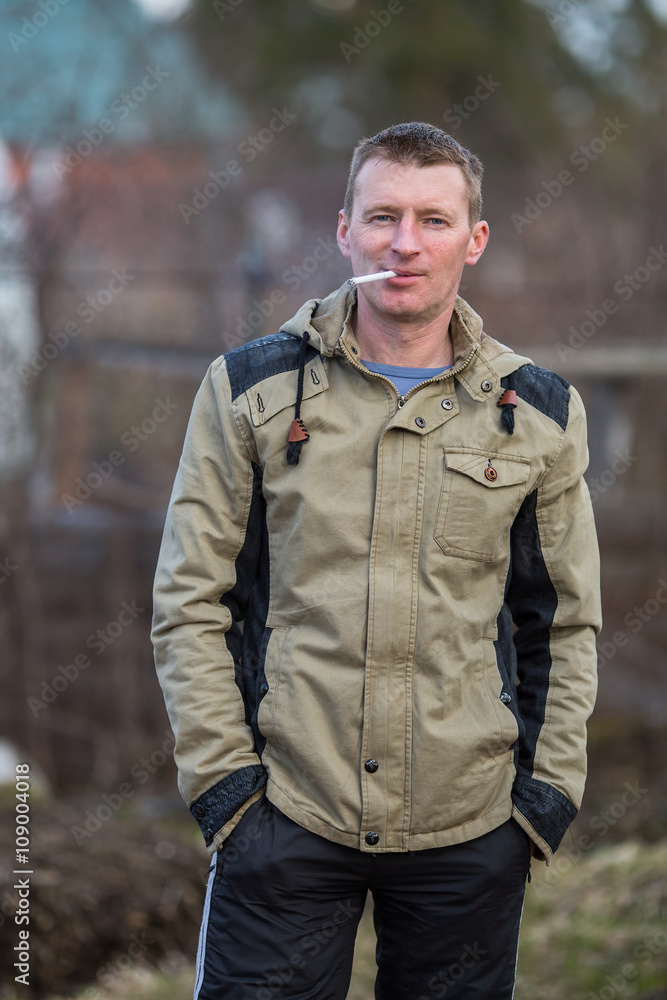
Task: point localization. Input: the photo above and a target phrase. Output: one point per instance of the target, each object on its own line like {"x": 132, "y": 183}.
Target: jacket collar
{"x": 328, "y": 322}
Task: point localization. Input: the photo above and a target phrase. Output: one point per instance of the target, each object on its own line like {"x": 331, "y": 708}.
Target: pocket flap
{"x": 509, "y": 469}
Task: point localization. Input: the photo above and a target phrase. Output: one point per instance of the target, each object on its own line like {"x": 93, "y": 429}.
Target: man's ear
{"x": 342, "y": 234}
{"x": 478, "y": 239}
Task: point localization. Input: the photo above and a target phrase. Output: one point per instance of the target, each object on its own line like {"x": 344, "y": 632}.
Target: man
{"x": 379, "y": 493}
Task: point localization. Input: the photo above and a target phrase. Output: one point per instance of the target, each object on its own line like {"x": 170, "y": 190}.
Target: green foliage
{"x": 422, "y": 59}
{"x": 352, "y": 68}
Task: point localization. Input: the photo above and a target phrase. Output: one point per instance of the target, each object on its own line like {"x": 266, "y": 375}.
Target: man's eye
{"x": 440, "y": 222}
{"x": 381, "y": 218}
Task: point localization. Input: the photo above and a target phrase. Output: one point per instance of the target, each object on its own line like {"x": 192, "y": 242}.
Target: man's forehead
{"x": 378, "y": 177}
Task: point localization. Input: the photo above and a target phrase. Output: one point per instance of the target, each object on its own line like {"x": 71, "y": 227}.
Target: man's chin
{"x": 403, "y": 310}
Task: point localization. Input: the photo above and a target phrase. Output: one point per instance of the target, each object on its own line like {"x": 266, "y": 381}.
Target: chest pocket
{"x": 481, "y": 495}
{"x": 277, "y": 392}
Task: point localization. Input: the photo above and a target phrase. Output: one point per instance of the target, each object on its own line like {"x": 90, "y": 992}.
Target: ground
{"x": 594, "y": 924}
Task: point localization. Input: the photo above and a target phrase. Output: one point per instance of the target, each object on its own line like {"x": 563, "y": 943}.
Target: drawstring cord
{"x": 507, "y": 402}
{"x": 297, "y": 432}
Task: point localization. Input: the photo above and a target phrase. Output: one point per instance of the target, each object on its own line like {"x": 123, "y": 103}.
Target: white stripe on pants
{"x": 201, "y": 948}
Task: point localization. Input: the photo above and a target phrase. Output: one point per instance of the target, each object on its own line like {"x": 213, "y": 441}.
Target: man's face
{"x": 413, "y": 220}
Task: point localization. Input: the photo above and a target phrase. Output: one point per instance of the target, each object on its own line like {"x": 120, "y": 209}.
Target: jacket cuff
{"x": 218, "y": 804}
{"x": 547, "y": 810}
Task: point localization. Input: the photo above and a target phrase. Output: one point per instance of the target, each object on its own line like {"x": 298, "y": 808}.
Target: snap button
{"x": 263, "y": 687}
{"x": 200, "y": 811}
{"x": 354, "y": 350}
{"x": 486, "y": 385}
{"x": 490, "y": 473}
{"x": 371, "y": 765}
{"x": 505, "y": 698}
{"x": 420, "y": 422}
{"x": 447, "y": 404}
{"x": 372, "y": 838}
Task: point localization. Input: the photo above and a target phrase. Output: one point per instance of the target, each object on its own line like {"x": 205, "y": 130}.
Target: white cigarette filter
{"x": 361, "y": 278}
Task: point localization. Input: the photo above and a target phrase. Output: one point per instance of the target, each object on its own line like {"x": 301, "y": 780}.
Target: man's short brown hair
{"x": 421, "y": 144}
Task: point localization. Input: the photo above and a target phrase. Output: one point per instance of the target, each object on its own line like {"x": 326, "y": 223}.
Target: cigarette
{"x": 361, "y": 278}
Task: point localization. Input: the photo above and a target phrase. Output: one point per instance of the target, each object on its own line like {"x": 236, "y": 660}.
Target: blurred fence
{"x": 109, "y": 384}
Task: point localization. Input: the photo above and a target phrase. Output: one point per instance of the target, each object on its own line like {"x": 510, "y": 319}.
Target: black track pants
{"x": 283, "y": 905}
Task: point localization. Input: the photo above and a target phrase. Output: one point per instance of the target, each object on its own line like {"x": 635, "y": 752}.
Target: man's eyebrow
{"x": 379, "y": 208}
{"x": 437, "y": 211}
{"x": 372, "y": 209}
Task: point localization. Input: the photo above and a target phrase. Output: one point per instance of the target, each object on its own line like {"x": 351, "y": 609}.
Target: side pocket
{"x": 508, "y": 727}
{"x": 525, "y": 840}
{"x": 268, "y": 706}
{"x": 237, "y": 842}
{"x": 509, "y": 688}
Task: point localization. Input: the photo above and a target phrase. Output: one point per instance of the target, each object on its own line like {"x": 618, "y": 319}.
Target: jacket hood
{"x": 327, "y": 319}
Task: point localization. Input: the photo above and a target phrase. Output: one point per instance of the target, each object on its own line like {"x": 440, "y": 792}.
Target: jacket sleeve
{"x": 202, "y": 555}
{"x": 554, "y": 597}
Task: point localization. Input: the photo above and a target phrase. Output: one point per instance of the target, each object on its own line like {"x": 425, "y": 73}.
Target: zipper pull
{"x": 401, "y": 400}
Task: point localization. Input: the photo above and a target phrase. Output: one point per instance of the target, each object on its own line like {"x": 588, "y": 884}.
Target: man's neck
{"x": 427, "y": 346}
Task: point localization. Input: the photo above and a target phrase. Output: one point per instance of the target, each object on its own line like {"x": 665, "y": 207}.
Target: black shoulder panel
{"x": 543, "y": 389}
{"x": 251, "y": 363}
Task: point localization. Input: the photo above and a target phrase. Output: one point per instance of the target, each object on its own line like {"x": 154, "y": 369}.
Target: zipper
{"x": 383, "y": 378}
{"x": 400, "y": 400}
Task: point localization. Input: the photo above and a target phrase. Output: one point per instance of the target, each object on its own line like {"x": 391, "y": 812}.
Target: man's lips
{"x": 405, "y": 275}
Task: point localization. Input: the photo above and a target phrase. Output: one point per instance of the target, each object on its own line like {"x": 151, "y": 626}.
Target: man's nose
{"x": 406, "y": 238}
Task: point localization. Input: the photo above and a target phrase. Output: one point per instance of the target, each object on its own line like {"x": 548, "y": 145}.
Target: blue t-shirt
{"x": 404, "y": 378}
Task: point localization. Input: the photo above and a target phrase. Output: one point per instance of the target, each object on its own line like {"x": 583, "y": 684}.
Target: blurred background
{"x": 170, "y": 178}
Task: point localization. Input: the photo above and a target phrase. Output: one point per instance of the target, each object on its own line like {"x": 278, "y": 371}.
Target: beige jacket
{"x": 393, "y": 638}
